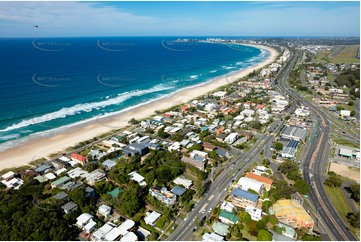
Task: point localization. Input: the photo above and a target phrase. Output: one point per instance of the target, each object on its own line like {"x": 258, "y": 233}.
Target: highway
{"x": 315, "y": 163}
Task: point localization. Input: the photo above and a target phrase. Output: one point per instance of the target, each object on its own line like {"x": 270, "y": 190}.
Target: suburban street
{"x": 218, "y": 189}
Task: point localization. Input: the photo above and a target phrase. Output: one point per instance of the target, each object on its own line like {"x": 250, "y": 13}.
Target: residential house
{"x": 85, "y": 222}
{"x": 227, "y": 206}
{"x": 151, "y": 217}
{"x": 222, "y": 153}
{"x": 69, "y": 207}
{"x": 44, "y": 168}
{"x": 228, "y": 217}
{"x": 95, "y": 176}
{"x": 60, "y": 182}
{"x": 212, "y": 237}
{"x": 135, "y": 149}
{"x": 109, "y": 164}
{"x": 179, "y": 191}
{"x": 162, "y": 194}
{"x": 231, "y": 138}
{"x": 102, "y": 231}
{"x": 267, "y": 182}
{"x": 196, "y": 161}
{"x": 89, "y": 192}
{"x": 129, "y": 237}
{"x": 247, "y": 183}
{"x": 10, "y": 181}
{"x": 183, "y": 181}
{"x": 104, "y": 210}
{"x": 78, "y": 158}
{"x": 242, "y": 198}
{"x": 220, "y": 228}
{"x": 138, "y": 178}
{"x": 256, "y": 213}
{"x": 208, "y": 146}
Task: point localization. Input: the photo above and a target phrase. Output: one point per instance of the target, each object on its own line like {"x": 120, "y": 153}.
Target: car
{"x": 203, "y": 210}
{"x": 194, "y": 229}
{"x": 210, "y": 210}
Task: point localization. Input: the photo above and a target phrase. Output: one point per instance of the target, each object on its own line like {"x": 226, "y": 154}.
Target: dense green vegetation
{"x": 291, "y": 170}
{"x": 333, "y": 180}
{"x": 20, "y": 219}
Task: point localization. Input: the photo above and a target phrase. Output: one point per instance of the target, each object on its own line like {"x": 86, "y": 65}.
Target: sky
{"x": 205, "y": 18}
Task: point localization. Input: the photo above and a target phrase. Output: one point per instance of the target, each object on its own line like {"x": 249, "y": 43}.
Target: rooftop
{"x": 244, "y": 194}
{"x": 259, "y": 178}
{"x": 228, "y": 215}
{"x": 178, "y": 190}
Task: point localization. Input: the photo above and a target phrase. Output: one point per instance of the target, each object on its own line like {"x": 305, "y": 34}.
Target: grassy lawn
{"x": 340, "y": 203}
{"x": 339, "y": 54}
{"x": 346, "y": 143}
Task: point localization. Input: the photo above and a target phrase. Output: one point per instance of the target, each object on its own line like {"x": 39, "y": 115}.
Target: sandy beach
{"x": 42, "y": 147}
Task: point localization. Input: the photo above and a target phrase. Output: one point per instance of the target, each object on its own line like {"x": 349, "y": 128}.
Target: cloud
{"x": 71, "y": 17}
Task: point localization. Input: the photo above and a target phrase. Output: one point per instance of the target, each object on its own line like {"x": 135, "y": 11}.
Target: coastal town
{"x": 233, "y": 164}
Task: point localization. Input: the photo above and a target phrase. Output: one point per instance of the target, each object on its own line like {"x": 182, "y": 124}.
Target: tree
{"x": 350, "y": 103}
{"x": 301, "y": 186}
{"x": 308, "y": 237}
{"x": 195, "y": 147}
{"x": 162, "y": 134}
{"x": 213, "y": 154}
{"x": 333, "y": 180}
{"x": 130, "y": 201}
{"x": 245, "y": 217}
{"x": 133, "y": 121}
{"x": 355, "y": 192}
{"x": 264, "y": 235}
{"x": 354, "y": 219}
{"x": 278, "y": 146}
{"x": 266, "y": 205}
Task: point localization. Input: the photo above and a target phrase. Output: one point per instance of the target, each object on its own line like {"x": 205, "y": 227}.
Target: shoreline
{"x": 39, "y": 147}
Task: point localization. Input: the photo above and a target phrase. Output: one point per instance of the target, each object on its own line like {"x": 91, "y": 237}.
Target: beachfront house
{"x": 78, "y": 158}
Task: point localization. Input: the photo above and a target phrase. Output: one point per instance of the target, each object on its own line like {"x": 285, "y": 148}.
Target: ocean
{"x": 50, "y": 83}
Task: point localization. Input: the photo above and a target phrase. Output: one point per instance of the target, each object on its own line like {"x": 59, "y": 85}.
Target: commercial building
{"x": 291, "y": 213}
{"x": 294, "y": 132}
{"x": 290, "y": 150}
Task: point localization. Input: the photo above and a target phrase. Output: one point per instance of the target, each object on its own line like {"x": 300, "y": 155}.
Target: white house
{"x": 220, "y": 94}
{"x": 231, "y": 138}
{"x": 246, "y": 183}
{"x": 256, "y": 213}
{"x": 151, "y": 218}
{"x": 248, "y": 112}
{"x": 105, "y": 210}
{"x": 227, "y": 206}
{"x": 182, "y": 181}
{"x": 212, "y": 237}
{"x": 138, "y": 178}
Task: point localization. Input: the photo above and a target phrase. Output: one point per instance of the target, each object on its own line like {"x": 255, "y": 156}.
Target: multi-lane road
{"x": 315, "y": 163}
